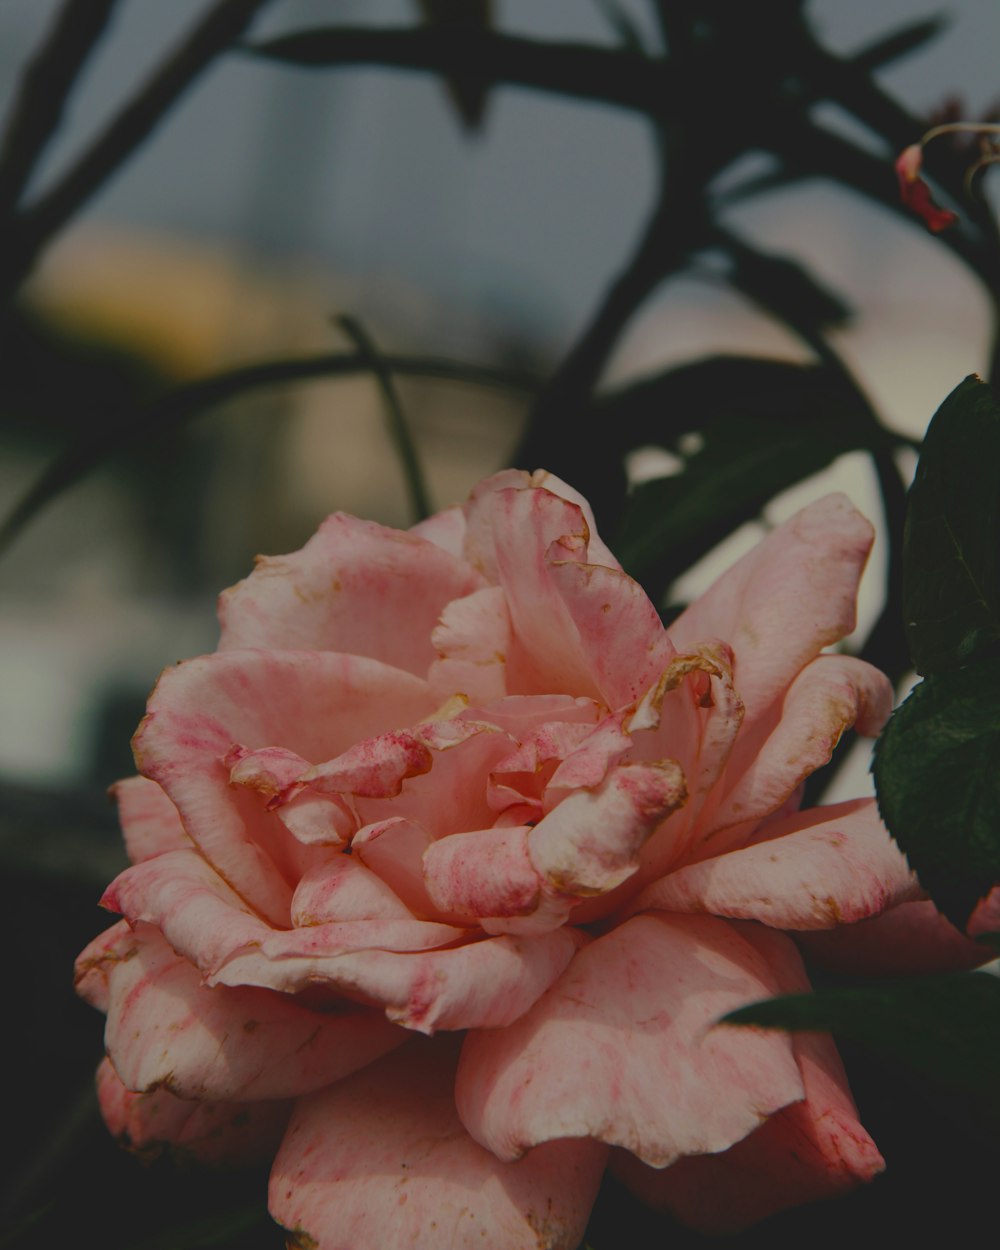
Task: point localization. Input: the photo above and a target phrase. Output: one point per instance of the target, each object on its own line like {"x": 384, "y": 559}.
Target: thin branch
{"x": 44, "y": 88}
{"x": 583, "y": 71}
{"x": 171, "y": 410}
{"x": 399, "y": 429}
{"x": 218, "y": 30}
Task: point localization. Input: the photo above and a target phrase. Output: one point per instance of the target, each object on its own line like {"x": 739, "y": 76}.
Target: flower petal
{"x": 444, "y": 529}
{"x": 344, "y": 889}
{"x": 622, "y": 1048}
{"x": 483, "y": 984}
{"x": 814, "y": 870}
{"x": 150, "y": 822}
{"x": 776, "y": 755}
{"x": 471, "y": 640}
{"x": 347, "y": 590}
{"x": 314, "y": 704}
{"x": 804, "y": 576}
{"x": 167, "y": 1030}
{"x": 381, "y": 1162}
{"x": 212, "y": 1133}
{"x": 811, "y": 1149}
{"x": 590, "y": 842}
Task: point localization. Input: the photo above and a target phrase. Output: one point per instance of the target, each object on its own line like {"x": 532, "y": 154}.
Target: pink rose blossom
{"x": 449, "y": 859}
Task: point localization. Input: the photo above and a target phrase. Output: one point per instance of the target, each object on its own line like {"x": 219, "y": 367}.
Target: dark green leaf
{"x": 937, "y": 776}
{"x": 221, "y": 1229}
{"x": 759, "y": 425}
{"x": 791, "y": 292}
{"x": 951, "y": 546}
{"x": 946, "y": 1028}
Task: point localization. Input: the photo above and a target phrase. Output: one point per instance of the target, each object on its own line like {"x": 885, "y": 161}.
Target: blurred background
{"x": 268, "y": 202}
{"x": 271, "y": 199}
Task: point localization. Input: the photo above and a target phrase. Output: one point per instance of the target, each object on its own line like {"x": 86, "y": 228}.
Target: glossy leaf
{"x": 951, "y": 546}
{"x": 938, "y": 784}
{"x": 945, "y": 1028}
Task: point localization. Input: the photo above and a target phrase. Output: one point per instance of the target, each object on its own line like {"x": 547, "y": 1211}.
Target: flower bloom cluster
{"x": 447, "y": 862}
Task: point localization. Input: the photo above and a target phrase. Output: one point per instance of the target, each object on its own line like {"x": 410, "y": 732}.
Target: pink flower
{"x": 916, "y": 194}
{"x": 446, "y": 863}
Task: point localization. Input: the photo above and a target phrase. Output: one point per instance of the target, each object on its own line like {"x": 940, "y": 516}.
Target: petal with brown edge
{"x": 381, "y": 1162}
{"x": 622, "y": 1048}
{"x": 217, "y": 1134}
{"x": 804, "y": 575}
{"x": 817, "y": 869}
{"x": 150, "y": 822}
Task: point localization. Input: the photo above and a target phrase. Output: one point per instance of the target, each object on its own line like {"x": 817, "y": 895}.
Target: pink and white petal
{"x": 521, "y": 714}
{"x": 452, "y": 795}
{"x": 486, "y": 877}
{"x": 532, "y": 530}
{"x": 347, "y": 590}
{"x": 590, "y": 843}
{"x": 808, "y": 1150}
{"x": 597, "y": 552}
{"x": 692, "y": 715}
{"x": 394, "y": 851}
{"x": 90, "y": 978}
{"x": 216, "y": 1134}
{"x": 372, "y": 768}
{"x": 913, "y": 938}
{"x": 622, "y": 1048}
{"x": 471, "y": 640}
{"x": 829, "y": 696}
{"x": 168, "y": 1030}
{"x": 444, "y": 529}
{"x": 818, "y": 869}
{"x": 150, "y": 822}
{"x": 343, "y": 888}
{"x": 314, "y": 704}
{"x": 483, "y": 984}
{"x": 623, "y": 643}
{"x": 197, "y": 912}
{"x": 588, "y": 761}
{"x": 381, "y": 1162}
{"x": 479, "y": 547}
{"x": 804, "y": 574}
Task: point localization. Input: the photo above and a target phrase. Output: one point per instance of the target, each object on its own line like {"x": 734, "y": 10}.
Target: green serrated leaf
{"x": 946, "y": 1028}
{"x": 937, "y": 778}
{"x": 951, "y": 545}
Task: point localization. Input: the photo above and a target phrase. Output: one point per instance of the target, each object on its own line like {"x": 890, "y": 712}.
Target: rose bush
{"x": 447, "y": 861}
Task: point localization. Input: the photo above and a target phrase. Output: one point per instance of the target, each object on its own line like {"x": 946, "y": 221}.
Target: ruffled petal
{"x": 314, "y": 704}
{"x": 803, "y": 576}
{"x": 471, "y": 641}
{"x": 167, "y": 1030}
{"x": 818, "y": 869}
{"x": 590, "y": 842}
{"x": 483, "y": 984}
{"x": 150, "y": 823}
{"x": 90, "y": 978}
{"x": 808, "y": 1150}
{"x": 622, "y": 1048}
{"x": 343, "y": 888}
{"x": 217, "y": 1134}
{"x": 829, "y": 696}
{"x": 381, "y": 1162}
{"x": 444, "y": 529}
{"x": 348, "y": 589}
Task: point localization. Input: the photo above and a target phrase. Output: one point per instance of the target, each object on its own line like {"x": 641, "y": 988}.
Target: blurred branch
{"x": 25, "y": 238}
{"x": 42, "y": 93}
{"x": 171, "y": 410}
{"x": 399, "y": 430}
{"x": 584, "y": 71}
